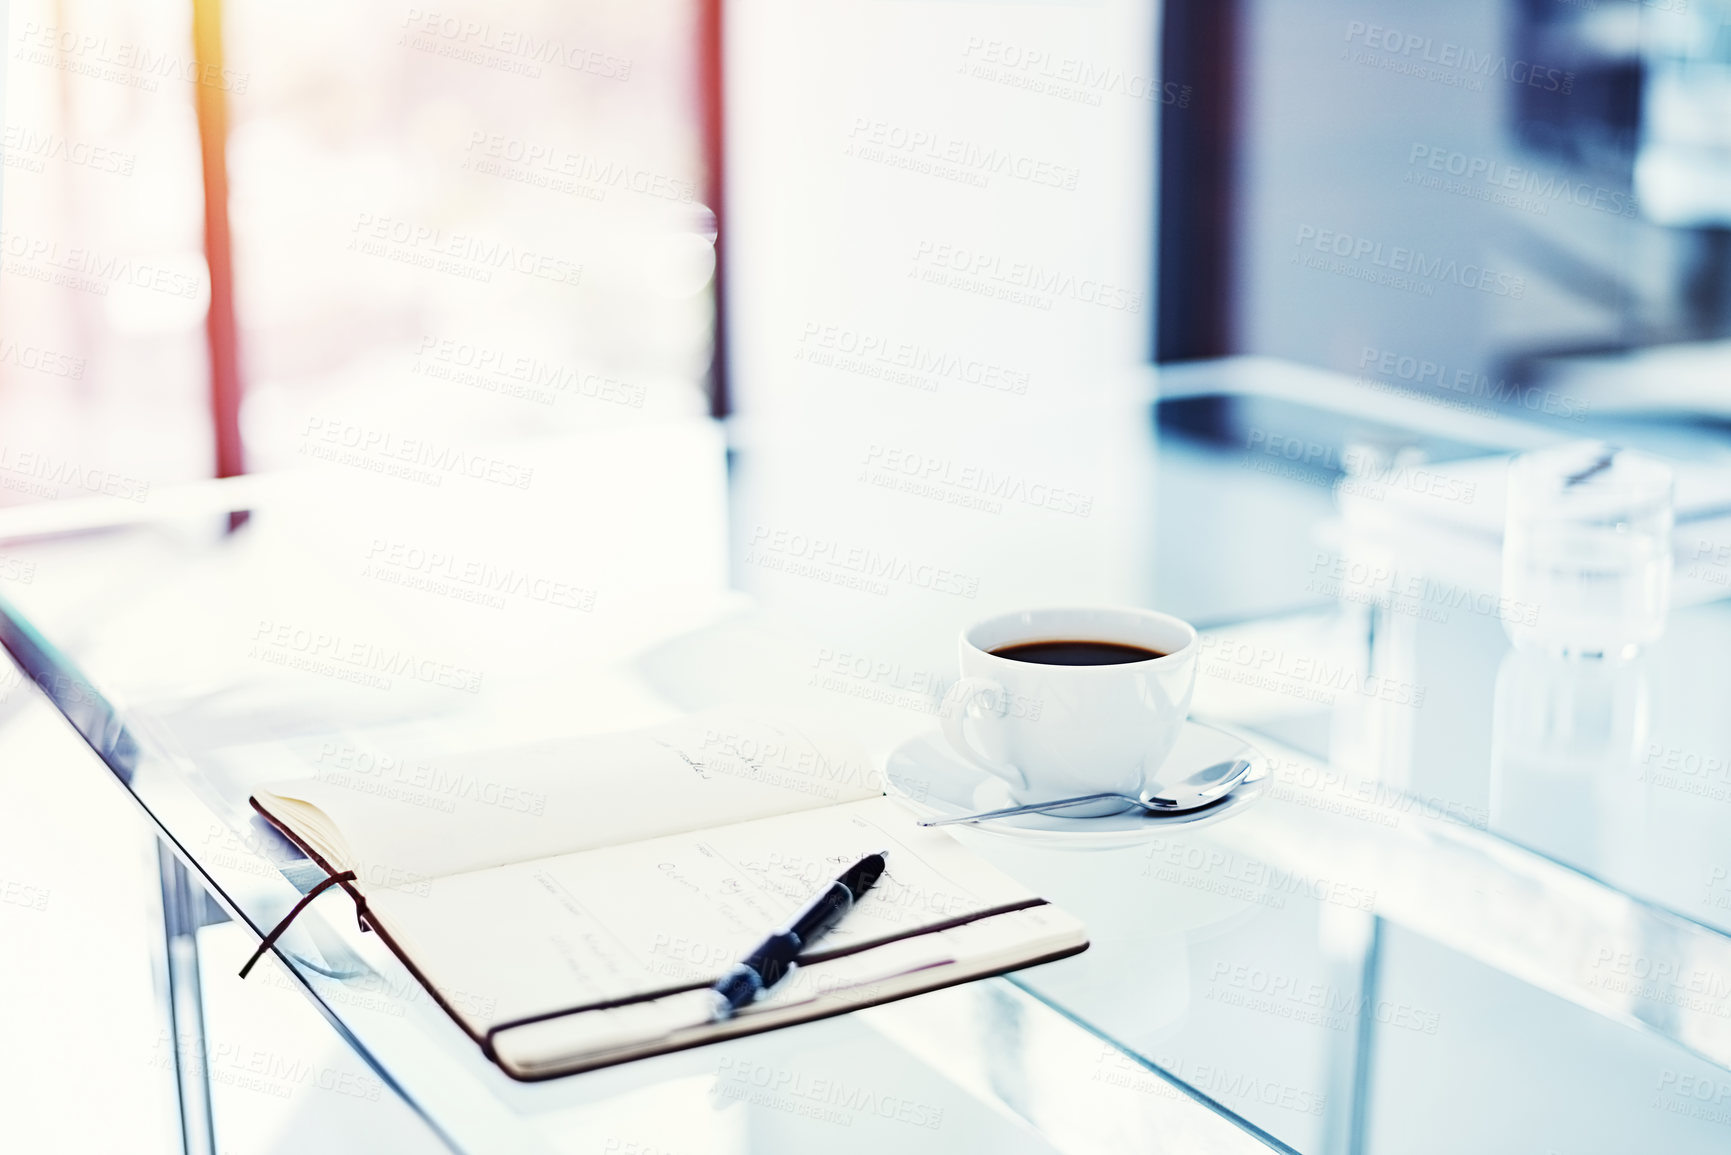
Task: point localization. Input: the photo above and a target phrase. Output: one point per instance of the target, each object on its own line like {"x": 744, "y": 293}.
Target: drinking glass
{"x": 1587, "y": 542}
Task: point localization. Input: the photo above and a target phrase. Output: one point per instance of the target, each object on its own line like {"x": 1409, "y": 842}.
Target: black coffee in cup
{"x": 1076, "y": 652}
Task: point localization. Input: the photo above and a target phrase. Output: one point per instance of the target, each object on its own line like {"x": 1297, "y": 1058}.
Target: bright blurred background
{"x": 482, "y": 223}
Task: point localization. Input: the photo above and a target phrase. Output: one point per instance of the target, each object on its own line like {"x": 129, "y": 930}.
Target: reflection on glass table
{"x": 322, "y": 637}
{"x": 1481, "y": 905}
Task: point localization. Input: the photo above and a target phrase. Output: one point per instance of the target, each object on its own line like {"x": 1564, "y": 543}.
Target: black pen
{"x": 773, "y": 960}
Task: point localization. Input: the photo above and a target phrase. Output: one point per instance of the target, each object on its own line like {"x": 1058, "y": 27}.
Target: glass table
{"x": 1483, "y": 905}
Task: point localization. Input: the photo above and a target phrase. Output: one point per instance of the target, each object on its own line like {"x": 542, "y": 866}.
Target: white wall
{"x": 939, "y": 243}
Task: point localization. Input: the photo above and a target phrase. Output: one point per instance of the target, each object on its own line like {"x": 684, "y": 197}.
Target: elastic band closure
{"x": 804, "y": 960}
{"x": 270, "y": 939}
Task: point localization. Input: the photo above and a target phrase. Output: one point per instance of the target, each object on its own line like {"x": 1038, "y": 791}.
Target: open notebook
{"x": 568, "y": 903}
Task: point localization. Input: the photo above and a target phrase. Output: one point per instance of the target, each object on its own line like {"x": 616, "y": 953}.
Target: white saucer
{"x": 932, "y": 778}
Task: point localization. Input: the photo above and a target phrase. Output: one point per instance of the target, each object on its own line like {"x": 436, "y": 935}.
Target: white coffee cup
{"x": 1055, "y": 731}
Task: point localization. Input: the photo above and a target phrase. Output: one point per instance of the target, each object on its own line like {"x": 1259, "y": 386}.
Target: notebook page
{"x": 557, "y": 797}
{"x": 534, "y": 937}
{"x": 599, "y": 1038}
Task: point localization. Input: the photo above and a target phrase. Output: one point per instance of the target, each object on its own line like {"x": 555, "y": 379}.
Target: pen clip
{"x": 778, "y": 983}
